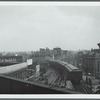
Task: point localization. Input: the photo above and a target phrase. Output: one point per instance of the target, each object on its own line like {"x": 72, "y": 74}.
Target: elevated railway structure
{"x": 52, "y": 78}
{"x": 69, "y": 72}
{"x": 13, "y": 85}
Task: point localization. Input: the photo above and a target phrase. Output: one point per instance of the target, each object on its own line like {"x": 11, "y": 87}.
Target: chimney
{"x": 98, "y": 45}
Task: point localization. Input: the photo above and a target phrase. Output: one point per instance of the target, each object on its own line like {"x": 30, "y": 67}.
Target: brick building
{"x": 58, "y": 53}
{"x": 91, "y": 62}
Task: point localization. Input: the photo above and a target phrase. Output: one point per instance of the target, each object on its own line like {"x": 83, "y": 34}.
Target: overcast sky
{"x": 26, "y": 28}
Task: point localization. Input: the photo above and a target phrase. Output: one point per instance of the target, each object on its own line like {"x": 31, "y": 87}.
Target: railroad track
{"x": 85, "y": 88}
{"x": 52, "y": 77}
{"x": 58, "y": 79}
{"x": 82, "y": 88}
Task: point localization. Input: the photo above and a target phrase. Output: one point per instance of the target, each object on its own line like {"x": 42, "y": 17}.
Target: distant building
{"x": 47, "y": 51}
{"x": 42, "y": 51}
{"x": 65, "y": 52}
{"x": 78, "y": 58}
{"x": 25, "y": 57}
{"x": 58, "y": 53}
{"x": 64, "y": 55}
{"x": 96, "y": 50}
{"x": 91, "y": 62}
{"x": 48, "y": 57}
{"x": 9, "y": 60}
{"x": 38, "y": 58}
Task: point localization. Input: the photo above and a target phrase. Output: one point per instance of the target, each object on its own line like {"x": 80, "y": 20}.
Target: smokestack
{"x": 98, "y": 45}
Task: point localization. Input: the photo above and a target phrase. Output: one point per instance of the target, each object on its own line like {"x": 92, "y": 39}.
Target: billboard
{"x": 29, "y": 61}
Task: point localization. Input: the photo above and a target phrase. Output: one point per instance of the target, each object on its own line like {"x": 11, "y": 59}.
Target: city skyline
{"x": 26, "y": 28}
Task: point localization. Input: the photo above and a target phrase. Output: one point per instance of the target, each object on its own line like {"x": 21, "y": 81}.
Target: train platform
{"x": 94, "y": 80}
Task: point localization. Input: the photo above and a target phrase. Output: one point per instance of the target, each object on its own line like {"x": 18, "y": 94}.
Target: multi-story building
{"x": 65, "y": 52}
{"x": 47, "y": 51}
{"x": 64, "y": 55}
{"x": 58, "y": 52}
{"x": 91, "y": 62}
{"x": 38, "y": 58}
{"x": 88, "y": 63}
{"x": 42, "y": 51}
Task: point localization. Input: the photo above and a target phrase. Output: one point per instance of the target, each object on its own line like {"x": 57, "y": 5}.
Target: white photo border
{"x": 50, "y": 96}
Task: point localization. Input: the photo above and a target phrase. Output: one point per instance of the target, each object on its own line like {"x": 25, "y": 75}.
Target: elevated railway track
{"x": 54, "y": 74}
{"x": 82, "y": 88}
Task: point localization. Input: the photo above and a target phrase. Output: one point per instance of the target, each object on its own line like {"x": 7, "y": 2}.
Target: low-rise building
{"x": 11, "y": 59}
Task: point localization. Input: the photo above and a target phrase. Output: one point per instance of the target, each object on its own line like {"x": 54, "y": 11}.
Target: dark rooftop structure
{"x": 96, "y": 50}
{"x": 98, "y": 45}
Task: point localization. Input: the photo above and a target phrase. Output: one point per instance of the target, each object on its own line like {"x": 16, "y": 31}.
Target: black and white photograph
{"x": 49, "y": 48}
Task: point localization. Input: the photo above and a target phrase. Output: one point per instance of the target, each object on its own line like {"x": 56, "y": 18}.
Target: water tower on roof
{"x": 98, "y": 45}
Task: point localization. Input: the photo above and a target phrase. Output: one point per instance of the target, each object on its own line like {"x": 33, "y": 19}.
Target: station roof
{"x": 12, "y": 68}
{"x": 69, "y": 66}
